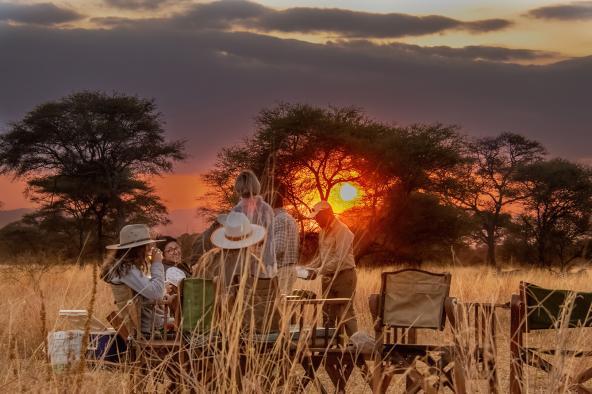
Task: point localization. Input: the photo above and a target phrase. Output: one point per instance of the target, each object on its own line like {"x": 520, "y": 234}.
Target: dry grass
{"x": 26, "y": 291}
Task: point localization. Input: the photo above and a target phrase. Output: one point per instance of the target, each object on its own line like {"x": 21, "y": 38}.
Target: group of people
{"x": 254, "y": 240}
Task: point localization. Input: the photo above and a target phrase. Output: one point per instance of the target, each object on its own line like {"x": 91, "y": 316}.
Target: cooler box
{"x": 106, "y": 346}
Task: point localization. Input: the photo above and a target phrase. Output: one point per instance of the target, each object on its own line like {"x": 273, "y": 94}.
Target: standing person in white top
{"x": 285, "y": 237}
{"x": 335, "y": 264}
{"x": 248, "y": 188}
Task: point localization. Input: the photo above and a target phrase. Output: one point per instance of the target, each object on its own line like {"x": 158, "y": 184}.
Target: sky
{"x": 489, "y": 67}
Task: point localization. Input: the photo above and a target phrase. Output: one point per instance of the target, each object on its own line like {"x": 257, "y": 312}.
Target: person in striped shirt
{"x": 285, "y": 237}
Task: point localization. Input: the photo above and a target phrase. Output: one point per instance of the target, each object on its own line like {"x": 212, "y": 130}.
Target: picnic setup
{"x": 235, "y": 320}
{"x": 410, "y": 301}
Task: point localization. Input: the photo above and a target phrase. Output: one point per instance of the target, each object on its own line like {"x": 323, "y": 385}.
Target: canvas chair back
{"x": 549, "y": 308}
{"x": 128, "y": 307}
{"x": 413, "y": 298}
{"x": 198, "y": 297}
{"x": 261, "y": 310}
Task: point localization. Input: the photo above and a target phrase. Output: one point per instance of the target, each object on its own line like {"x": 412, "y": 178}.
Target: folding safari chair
{"x": 167, "y": 348}
{"x": 195, "y": 315}
{"x": 536, "y": 309}
{"x": 410, "y": 300}
{"x": 262, "y": 337}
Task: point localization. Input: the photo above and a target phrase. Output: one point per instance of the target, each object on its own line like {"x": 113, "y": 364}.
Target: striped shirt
{"x": 285, "y": 238}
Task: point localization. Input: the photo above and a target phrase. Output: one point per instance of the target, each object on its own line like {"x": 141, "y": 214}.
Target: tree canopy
{"x": 314, "y": 150}
{"x": 557, "y": 209}
{"x": 86, "y": 157}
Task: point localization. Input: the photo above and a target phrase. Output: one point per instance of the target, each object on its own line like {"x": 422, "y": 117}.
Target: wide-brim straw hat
{"x": 237, "y": 232}
{"x": 134, "y": 235}
{"x": 318, "y": 208}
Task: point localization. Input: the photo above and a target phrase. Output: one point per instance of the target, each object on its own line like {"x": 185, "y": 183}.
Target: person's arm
{"x": 150, "y": 288}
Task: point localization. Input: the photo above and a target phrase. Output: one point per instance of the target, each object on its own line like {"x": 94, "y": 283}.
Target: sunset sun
{"x": 348, "y": 192}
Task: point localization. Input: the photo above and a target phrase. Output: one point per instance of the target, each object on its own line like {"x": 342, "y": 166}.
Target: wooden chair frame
{"x": 474, "y": 331}
{"x": 397, "y": 348}
{"x": 522, "y": 355}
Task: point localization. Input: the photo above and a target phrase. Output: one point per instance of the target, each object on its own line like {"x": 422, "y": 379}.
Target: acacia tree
{"x": 406, "y": 167}
{"x": 313, "y": 150}
{"x": 84, "y": 156}
{"x": 558, "y": 209}
{"x": 302, "y": 146}
{"x": 485, "y": 184}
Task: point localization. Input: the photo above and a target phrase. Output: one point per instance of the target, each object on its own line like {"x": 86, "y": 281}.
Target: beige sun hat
{"x": 236, "y": 232}
{"x": 134, "y": 235}
{"x": 319, "y": 207}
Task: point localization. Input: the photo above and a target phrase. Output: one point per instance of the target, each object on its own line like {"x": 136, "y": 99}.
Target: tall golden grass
{"x": 31, "y": 296}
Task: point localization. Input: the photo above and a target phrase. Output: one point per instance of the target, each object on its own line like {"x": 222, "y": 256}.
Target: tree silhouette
{"x": 86, "y": 157}
{"x": 302, "y": 146}
{"x": 557, "y": 209}
{"x": 485, "y": 186}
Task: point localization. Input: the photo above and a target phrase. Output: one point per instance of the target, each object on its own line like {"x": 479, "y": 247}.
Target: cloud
{"x": 364, "y": 24}
{"x": 115, "y": 21}
{"x": 137, "y": 4}
{"x": 221, "y": 14}
{"x": 46, "y": 14}
{"x": 471, "y": 52}
{"x": 210, "y": 84}
{"x": 226, "y": 14}
{"x": 581, "y": 10}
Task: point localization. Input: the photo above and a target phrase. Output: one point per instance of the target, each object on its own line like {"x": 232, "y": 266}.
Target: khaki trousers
{"x": 342, "y": 284}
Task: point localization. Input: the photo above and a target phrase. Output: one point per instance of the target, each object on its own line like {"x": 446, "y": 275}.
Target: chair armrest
{"x": 517, "y": 323}
{"x": 117, "y": 323}
{"x": 320, "y": 301}
{"x": 451, "y": 310}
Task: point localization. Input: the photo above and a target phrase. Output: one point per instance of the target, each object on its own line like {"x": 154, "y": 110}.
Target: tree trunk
{"x": 491, "y": 260}
{"x": 100, "y": 249}
{"x": 541, "y": 252}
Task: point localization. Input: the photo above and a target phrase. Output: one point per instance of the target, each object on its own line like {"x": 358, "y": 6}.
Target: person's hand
{"x": 156, "y": 255}
{"x": 169, "y": 299}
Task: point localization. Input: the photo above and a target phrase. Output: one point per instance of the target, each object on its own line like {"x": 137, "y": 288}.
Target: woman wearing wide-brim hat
{"x": 232, "y": 254}
{"x": 235, "y": 261}
{"x": 135, "y": 250}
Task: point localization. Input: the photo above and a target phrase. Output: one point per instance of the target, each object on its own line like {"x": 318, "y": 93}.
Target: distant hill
{"x": 13, "y": 215}
{"x": 183, "y": 221}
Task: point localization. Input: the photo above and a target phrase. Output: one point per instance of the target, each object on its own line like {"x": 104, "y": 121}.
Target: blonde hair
{"x": 247, "y": 184}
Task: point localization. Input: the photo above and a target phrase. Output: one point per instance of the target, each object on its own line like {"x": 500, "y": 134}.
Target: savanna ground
{"x": 24, "y": 290}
